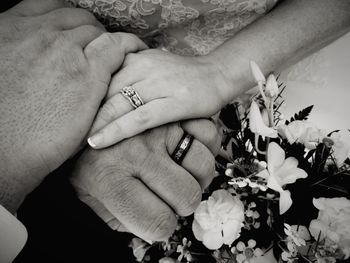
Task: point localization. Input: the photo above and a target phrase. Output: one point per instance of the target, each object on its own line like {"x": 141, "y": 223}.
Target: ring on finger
{"x": 132, "y": 96}
{"x": 182, "y": 148}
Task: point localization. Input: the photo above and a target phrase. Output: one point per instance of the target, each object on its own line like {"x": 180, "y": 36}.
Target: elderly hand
{"x": 56, "y": 64}
{"x": 136, "y": 186}
{"x": 172, "y": 87}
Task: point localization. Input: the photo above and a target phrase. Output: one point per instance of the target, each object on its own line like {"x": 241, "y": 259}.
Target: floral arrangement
{"x": 281, "y": 193}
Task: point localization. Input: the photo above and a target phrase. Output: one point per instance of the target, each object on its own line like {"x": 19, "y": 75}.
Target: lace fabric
{"x": 188, "y": 27}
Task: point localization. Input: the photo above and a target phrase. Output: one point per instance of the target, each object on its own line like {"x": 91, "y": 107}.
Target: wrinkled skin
{"x": 136, "y": 186}
{"x": 55, "y": 68}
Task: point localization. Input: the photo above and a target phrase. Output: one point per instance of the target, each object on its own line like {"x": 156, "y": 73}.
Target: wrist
{"x": 233, "y": 73}
{"x": 17, "y": 180}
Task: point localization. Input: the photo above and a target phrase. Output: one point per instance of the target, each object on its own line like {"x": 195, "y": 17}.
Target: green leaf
{"x": 301, "y": 115}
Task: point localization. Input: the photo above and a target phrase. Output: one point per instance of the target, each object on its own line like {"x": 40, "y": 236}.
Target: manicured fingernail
{"x": 95, "y": 140}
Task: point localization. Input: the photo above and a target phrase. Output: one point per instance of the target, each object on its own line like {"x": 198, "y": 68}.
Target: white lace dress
{"x": 186, "y": 27}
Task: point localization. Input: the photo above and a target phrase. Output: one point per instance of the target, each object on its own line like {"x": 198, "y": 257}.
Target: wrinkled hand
{"x": 136, "y": 186}
{"x": 56, "y": 64}
{"x": 172, "y": 87}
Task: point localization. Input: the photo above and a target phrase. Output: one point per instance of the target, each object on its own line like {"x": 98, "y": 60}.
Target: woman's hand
{"x": 172, "y": 88}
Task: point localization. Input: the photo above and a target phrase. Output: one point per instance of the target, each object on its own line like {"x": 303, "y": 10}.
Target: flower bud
{"x": 257, "y": 73}
{"x": 229, "y": 172}
{"x": 271, "y": 90}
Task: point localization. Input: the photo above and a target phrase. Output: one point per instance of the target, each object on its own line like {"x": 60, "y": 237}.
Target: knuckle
{"x": 108, "y": 111}
{"x": 104, "y": 40}
{"x": 207, "y": 167}
{"x": 127, "y": 38}
{"x": 75, "y": 66}
{"x": 212, "y": 133}
{"x": 192, "y": 201}
{"x": 91, "y": 30}
{"x": 112, "y": 38}
{"x": 162, "y": 226}
{"x": 142, "y": 116}
{"x": 212, "y": 139}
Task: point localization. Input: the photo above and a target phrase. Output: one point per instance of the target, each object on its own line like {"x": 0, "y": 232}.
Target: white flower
{"x": 303, "y": 132}
{"x": 281, "y": 171}
{"x": 218, "y": 220}
{"x": 293, "y": 233}
{"x": 183, "y": 250}
{"x": 139, "y": 248}
{"x": 256, "y": 122}
{"x": 271, "y": 89}
{"x": 341, "y": 148}
{"x": 246, "y": 254}
{"x": 257, "y": 73}
{"x": 333, "y": 222}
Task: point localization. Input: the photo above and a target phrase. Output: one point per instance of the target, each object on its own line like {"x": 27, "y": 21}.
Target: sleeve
{"x": 13, "y": 236}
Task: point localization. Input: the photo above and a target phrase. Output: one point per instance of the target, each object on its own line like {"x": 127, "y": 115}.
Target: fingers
{"x": 171, "y": 183}
{"x": 150, "y": 115}
{"x": 117, "y": 105}
{"x": 110, "y": 110}
{"x": 108, "y": 50}
{"x": 128, "y": 75}
{"x": 37, "y": 7}
{"x": 83, "y": 35}
{"x": 69, "y": 18}
{"x": 137, "y": 208}
{"x": 199, "y": 161}
{"x": 204, "y": 131}
{"x": 102, "y": 212}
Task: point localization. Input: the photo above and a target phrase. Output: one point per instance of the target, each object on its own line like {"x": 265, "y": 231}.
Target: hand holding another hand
{"x": 136, "y": 186}
{"x": 172, "y": 88}
{"x": 56, "y": 64}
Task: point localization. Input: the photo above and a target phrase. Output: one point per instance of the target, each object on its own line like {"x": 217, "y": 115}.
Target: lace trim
{"x": 192, "y": 29}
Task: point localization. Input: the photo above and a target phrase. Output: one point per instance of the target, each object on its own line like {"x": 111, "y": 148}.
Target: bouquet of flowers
{"x": 281, "y": 193}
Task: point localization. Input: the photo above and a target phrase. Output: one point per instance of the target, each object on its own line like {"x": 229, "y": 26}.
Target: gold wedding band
{"x": 132, "y": 96}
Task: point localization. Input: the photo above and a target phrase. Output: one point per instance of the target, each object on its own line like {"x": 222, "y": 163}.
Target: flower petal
{"x": 263, "y": 174}
{"x": 257, "y": 73}
{"x": 213, "y": 239}
{"x": 274, "y": 184}
{"x": 231, "y": 231}
{"x": 197, "y": 230}
{"x": 285, "y": 201}
{"x": 288, "y": 173}
{"x": 256, "y": 122}
{"x": 275, "y": 157}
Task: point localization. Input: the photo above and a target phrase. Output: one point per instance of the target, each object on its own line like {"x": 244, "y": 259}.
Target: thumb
{"x": 109, "y": 49}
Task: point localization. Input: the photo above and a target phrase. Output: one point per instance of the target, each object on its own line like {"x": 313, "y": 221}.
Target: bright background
{"x": 323, "y": 79}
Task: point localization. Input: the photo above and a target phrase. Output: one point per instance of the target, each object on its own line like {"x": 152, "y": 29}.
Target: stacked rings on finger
{"x": 182, "y": 148}
{"x": 132, "y": 96}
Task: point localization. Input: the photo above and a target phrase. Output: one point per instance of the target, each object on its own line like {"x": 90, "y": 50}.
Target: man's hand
{"x": 136, "y": 186}
{"x": 56, "y": 64}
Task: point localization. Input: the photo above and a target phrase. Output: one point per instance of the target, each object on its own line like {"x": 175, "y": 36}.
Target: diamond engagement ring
{"x": 133, "y": 97}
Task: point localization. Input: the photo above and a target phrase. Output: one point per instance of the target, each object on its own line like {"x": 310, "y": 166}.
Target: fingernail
{"x": 95, "y": 140}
